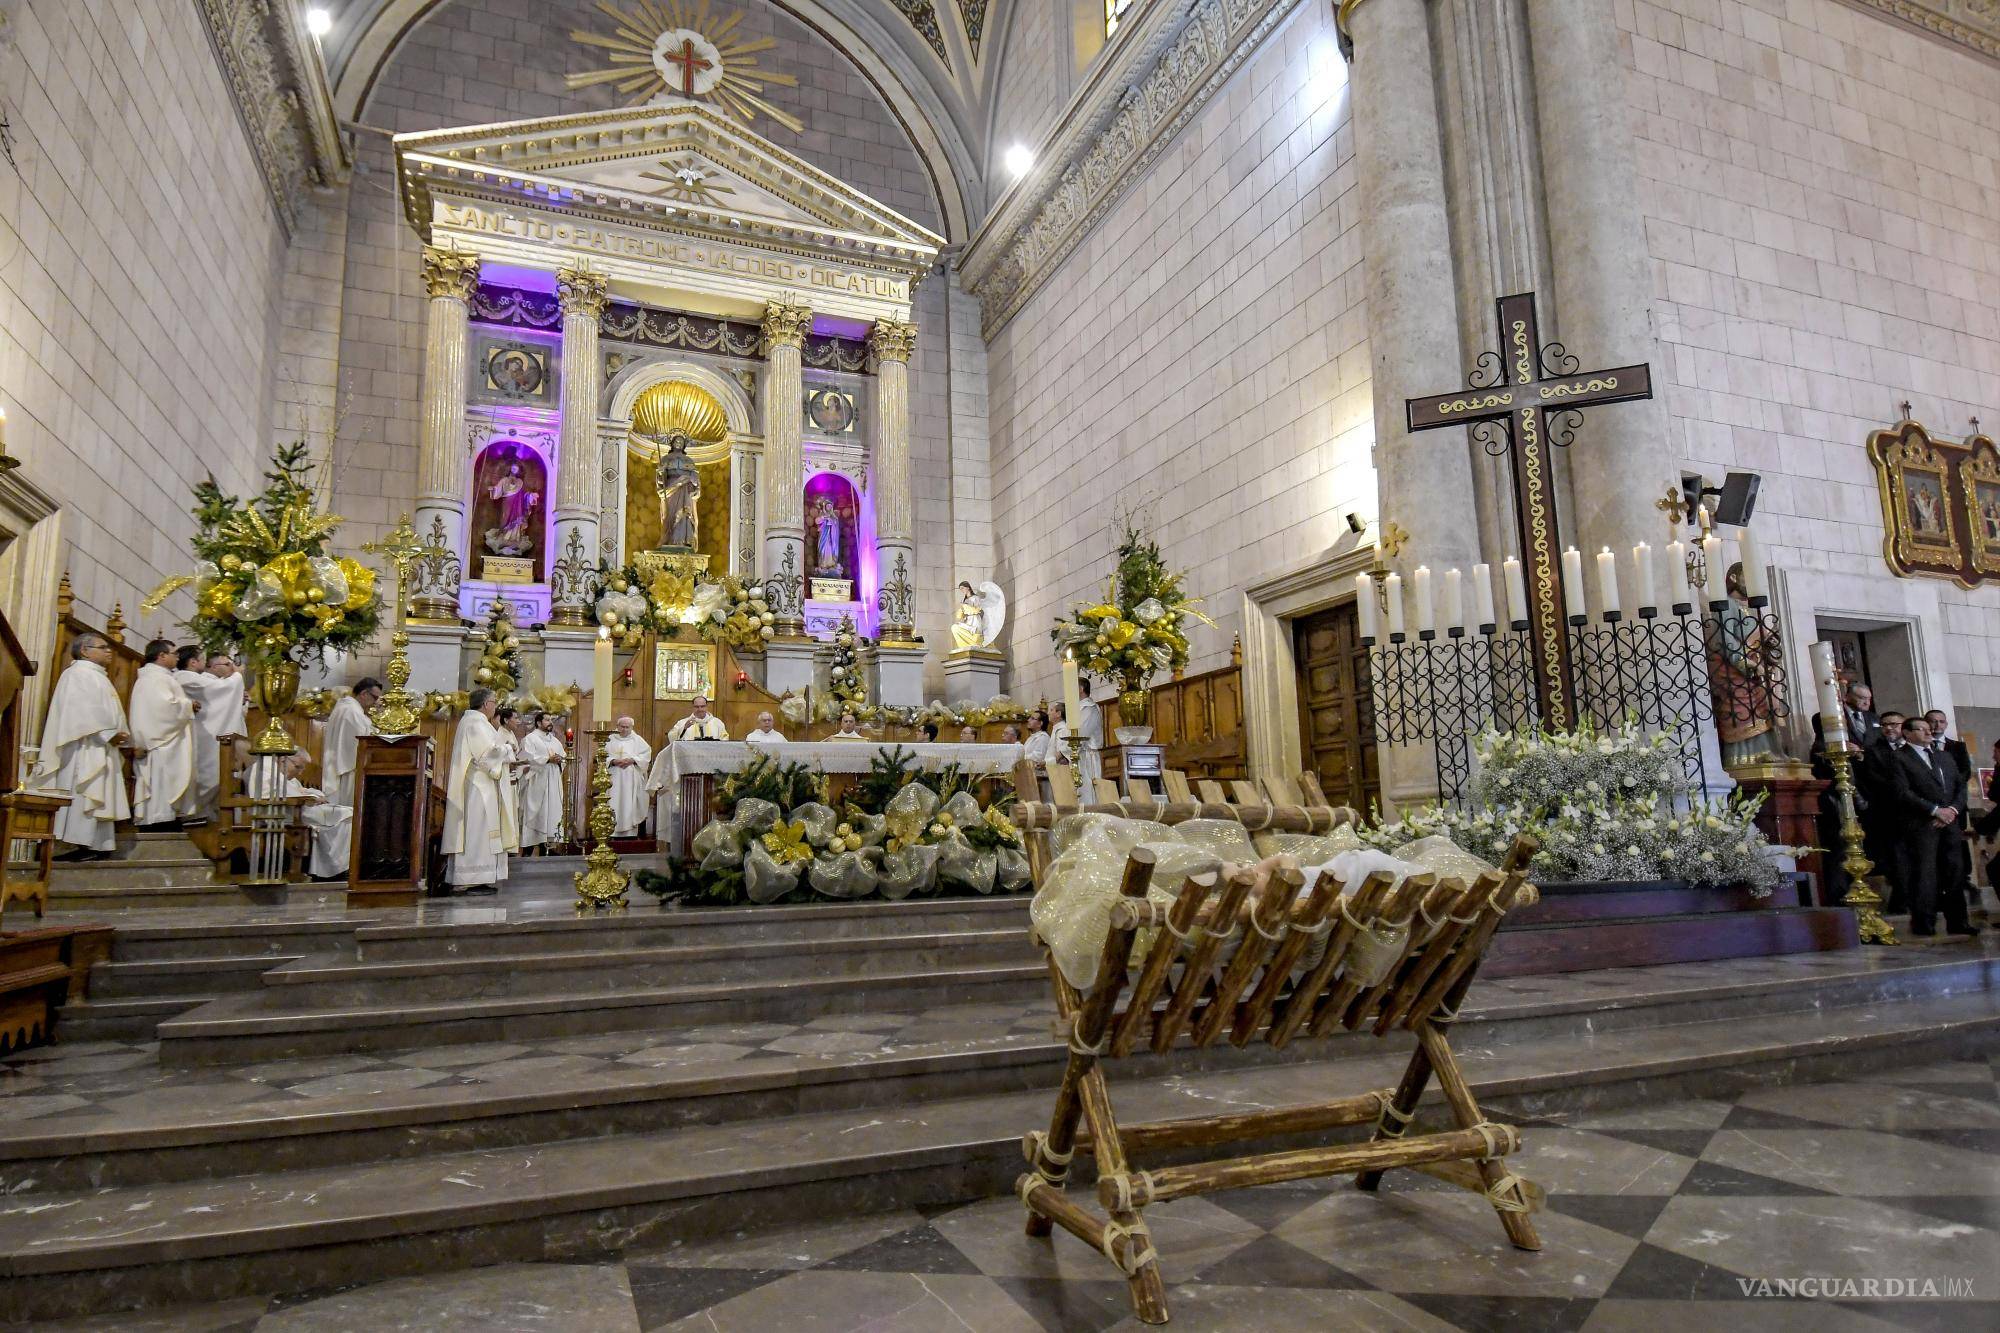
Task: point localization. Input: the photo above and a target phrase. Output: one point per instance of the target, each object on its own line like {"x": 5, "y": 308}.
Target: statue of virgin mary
{"x": 679, "y": 482}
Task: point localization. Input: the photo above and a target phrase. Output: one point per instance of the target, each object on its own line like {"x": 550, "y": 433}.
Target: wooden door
{"x": 1336, "y": 718}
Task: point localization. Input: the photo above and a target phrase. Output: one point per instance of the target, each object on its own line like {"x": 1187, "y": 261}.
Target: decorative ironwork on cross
{"x": 1521, "y": 401}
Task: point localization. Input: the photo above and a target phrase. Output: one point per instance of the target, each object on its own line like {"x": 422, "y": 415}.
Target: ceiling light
{"x": 1019, "y": 159}
{"x": 318, "y": 22}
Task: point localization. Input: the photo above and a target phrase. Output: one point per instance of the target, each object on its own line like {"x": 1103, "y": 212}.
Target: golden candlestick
{"x": 397, "y": 712}
{"x": 605, "y": 882}
{"x": 1867, "y": 904}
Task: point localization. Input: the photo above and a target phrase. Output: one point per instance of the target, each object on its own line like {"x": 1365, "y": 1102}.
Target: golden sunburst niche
{"x": 671, "y": 47}
{"x": 678, "y": 405}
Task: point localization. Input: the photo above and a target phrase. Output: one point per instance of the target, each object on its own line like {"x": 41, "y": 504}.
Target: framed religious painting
{"x": 683, "y": 670}
{"x": 830, "y": 411}
{"x": 516, "y": 371}
{"x": 1979, "y": 476}
{"x": 1923, "y": 515}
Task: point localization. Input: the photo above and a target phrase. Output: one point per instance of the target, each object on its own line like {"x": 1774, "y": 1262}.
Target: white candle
{"x": 1572, "y": 582}
{"x": 1677, "y": 573}
{"x": 1517, "y": 591}
{"x": 600, "y": 677}
{"x": 1642, "y": 570}
{"x": 1607, "y": 580}
{"x": 1364, "y": 605}
{"x": 1454, "y": 600}
{"x": 1753, "y": 567}
{"x": 1482, "y": 594}
{"x": 1072, "y": 690}
{"x": 1426, "y": 607}
{"x": 1717, "y": 586}
{"x": 1832, "y": 717}
{"x": 1394, "y": 583}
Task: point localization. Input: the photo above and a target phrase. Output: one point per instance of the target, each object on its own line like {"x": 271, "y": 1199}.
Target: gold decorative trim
{"x": 786, "y": 323}
{"x": 892, "y": 340}
{"x": 1981, "y": 468}
{"x": 1896, "y": 455}
{"x": 450, "y": 273}
{"x": 582, "y": 292}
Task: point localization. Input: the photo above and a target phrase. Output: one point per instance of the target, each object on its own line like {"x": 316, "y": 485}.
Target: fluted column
{"x": 449, "y": 277}
{"x": 577, "y": 471}
{"x": 892, "y": 342}
{"x": 1622, "y": 460}
{"x": 1423, "y": 479}
{"x": 786, "y": 323}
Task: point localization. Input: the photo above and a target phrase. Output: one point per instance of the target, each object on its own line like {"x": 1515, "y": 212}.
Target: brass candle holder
{"x": 1861, "y": 896}
{"x": 604, "y": 883}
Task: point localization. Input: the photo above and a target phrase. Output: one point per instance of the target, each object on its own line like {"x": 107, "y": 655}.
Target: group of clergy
{"x": 184, "y": 703}
{"x": 638, "y": 777}
{"x": 1048, "y": 740}
{"x": 503, "y": 791}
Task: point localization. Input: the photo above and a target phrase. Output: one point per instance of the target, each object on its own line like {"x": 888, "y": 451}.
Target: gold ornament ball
{"x": 232, "y": 562}
{"x": 316, "y": 594}
{"x": 296, "y": 598}
{"x": 513, "y": 642}
{"x": 482, "y": 675}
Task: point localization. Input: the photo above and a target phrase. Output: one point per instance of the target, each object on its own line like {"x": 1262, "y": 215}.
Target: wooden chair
{"x": 1256, "y": 992}
{"x": 229, "y": 832}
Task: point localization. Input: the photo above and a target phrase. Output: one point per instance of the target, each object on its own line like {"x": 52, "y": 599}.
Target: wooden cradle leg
{"x": 1149, "y": 1293}
{"x": 1466, "y": 1111}
{"x": 1402, "y": 1106}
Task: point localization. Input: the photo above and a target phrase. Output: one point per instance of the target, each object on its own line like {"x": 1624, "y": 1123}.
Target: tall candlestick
{"x": 600, "y": 676}
{"x": 1517, "y": 591}
{"x": 1426, "y": 608}
{"x": 1717, "y": 587}
{"x": 1072, "y": 692}
{"x": 1642, "y": 570}
{"x": 1364, "y": 605}
{"x": 1753, "y": 566}
{"x": 1832, "y": 717}
{"x": 1454, "y": 600}
{"x": 1607, "y": 580}
{"x": 1482, "y": 594}
{"x": 1394, "y": 583}
{"x": 1677, "y": 574}
{"x": 1572, "y": 582}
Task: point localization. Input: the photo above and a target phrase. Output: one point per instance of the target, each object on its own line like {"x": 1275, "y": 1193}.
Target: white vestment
{"x": 1091, "y": 723}
{"x": 332, "y": 830}
{"x": 1035, "y": 749}
{"x": 222, "y": 715}
{"x": 162, "y": 727}
{"x": 478, "y": 825}
{"x": 762, "y": 737}
{"x": 345, "y": 727}
{"x": 78, "y": 759}
{"x": 692, "y": 728}
{"x": 628, "y": 783}
{"x": 198, "y": 802}
{"x": 542, "y": 789}
{"x": 510, "y": 745}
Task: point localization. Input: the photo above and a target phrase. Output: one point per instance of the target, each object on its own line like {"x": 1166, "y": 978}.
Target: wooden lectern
{"x": 398, "y": 820}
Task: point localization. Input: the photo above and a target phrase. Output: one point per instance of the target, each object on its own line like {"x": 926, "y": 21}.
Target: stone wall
{"x": 140, "y": 270}
{"x": 1199, "y": 361}
{"x": 1035, "y": 82}
{"x": 1822, "y": 199}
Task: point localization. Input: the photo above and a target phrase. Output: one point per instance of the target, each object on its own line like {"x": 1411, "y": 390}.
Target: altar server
{"x": 222, "y": 714}
{"x": 767, "y": 732}
{"x": 699, "y": 725}
{"x": 163, "y": 732}
{"x": 478, "y": 825}
{"x": 332, "y": 825}
{"x": 1036, "y": 748}
{"x": 542, "y": 786}
{"x": 1090, "y": 722}
{"x": 345, "y": 727}
{"x": 197, "y": 803}
{"x": 79, "y": 756}
{"x": 629, "y": 756}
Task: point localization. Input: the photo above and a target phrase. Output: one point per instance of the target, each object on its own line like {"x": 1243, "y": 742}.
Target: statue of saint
{"x": 826, "y": 552}
{"x": 679, "y": 483}
{"x": 980, "y": 617}
{"x": 514, "y": 534}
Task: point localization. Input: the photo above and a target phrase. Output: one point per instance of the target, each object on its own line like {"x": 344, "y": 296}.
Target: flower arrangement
{"x": 558, "y": 700}
{"x": 1140, "y": 626}
{"x": 499, "y": 667}
{"x": 1605, "y": 806}
{"x": 726, "y": 610}
{"x": 265, "y": 586}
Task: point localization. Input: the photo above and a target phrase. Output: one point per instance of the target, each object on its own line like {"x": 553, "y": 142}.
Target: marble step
{"x": 122, "y": 1020}
{"x": 140, "y": 941}
{"x": 159, "y": 978}
{"x": 242, "y": 1028}
{"x": 188, "y": 1138}
{"x": 313, "y": 983}
{"x": 151, "y": 887}
{"x": 288, "y": 1231}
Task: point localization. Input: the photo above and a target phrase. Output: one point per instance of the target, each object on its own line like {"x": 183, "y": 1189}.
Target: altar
{"x": 652, "y": 332}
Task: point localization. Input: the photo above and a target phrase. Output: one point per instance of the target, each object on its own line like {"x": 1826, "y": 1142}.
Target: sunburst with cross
{"x": 677, "y": 48}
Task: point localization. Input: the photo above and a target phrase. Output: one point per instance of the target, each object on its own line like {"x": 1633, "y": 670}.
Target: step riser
{"x": 183, "y": 1049}
{"x": 110, "y": 982}
{"x": 280, "y": 945}
{"x": 958, "y": 1174}
{"x": 503, "y": 981}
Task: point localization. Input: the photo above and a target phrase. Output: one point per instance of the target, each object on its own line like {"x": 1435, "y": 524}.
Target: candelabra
{"x": 605, "y": 882}
{"x": 1861, "y": 896}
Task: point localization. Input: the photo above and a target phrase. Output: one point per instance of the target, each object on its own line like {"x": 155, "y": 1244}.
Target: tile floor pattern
{"x": 1655, "y": 1217}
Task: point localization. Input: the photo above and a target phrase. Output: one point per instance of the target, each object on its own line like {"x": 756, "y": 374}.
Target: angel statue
{"x": 679, "y": 483}
{"x": 980, "y": 616}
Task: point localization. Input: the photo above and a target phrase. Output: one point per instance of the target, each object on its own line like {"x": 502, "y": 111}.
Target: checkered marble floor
{"x": 1658, "y": 1218}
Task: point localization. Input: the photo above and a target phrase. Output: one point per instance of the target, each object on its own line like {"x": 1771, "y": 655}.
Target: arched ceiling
{"x": 929, "y": 60}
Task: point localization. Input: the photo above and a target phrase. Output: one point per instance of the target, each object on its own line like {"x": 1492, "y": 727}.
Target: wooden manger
{"x": 1179, "y": 989}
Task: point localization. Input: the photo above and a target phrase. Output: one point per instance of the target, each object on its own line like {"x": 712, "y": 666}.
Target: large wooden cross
{"x": 1526, "y": 396}
{"x": 690, "y": 63}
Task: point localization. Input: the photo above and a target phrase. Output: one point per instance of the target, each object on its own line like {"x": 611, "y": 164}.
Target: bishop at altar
{"x": 79, "y": 756}
{"x": 478, "y": 822}
{"x": 163, "y": 731}
{"x": 629, "y": 756}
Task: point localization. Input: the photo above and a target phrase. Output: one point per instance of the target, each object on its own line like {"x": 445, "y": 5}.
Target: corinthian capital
{"x": 580, "y": 291}
{"x": 786, "y": 323}
{"x": 892, "y": 340}
{"x": 450, "y": 272}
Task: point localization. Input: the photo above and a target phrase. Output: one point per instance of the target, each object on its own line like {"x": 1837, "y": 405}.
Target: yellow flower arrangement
{"x": 786, "y": 842}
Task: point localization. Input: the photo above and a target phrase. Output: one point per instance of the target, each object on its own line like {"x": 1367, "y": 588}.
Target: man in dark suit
{"x": 1864, "y": 733}
{"x": 1878, "y": 779}
{"x": 1954, "y": 749}
{"x": 1928, "y": 837}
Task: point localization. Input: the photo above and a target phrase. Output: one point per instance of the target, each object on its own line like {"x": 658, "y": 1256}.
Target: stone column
{"x": 786, "y": 323}
{"x": 571, "y": 580}
{"x": 449, "y": 277}
{"x": 1621, "y": 461}
{"x": 892, "y": 342}
{"x": 1424, "y": 480}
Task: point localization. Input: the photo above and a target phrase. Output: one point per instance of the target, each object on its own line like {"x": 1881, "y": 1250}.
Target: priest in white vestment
{"x": 478, "y": 825}
{"x": 79, "y": 756}
{"x": 766, "y": 732}
{"x": 629, "y": 755}
{"x": 222, "y": 714}
{"x": 513, "y": 726}
{"x": 1090, "y": 722}
{"x": 332, "y": 825}
{"x": 1036, "y": 748}
{"x": 163, "y": 732}
{"x": 345, "y": 727}
{"x": 197, "y": 803}
{"x": 699, "y": 724}
{"x": 542, "y": 787}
